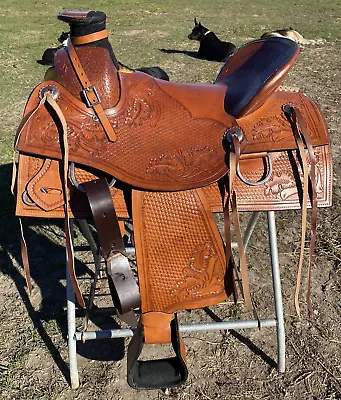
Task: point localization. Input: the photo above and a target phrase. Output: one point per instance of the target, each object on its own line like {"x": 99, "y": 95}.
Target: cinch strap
{"x": 123, "y": 286}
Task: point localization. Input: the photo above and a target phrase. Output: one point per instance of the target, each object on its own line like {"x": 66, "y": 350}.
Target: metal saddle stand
{"x": 276, "y": 322}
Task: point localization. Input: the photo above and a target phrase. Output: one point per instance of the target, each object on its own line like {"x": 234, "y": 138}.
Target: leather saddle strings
{"x": 48, "y": 101}
{"x": 231, "y": 201}
{"x": 303, "y": 139}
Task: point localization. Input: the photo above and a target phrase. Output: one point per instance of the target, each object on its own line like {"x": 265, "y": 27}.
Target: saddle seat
{"x": 254, "y": 72}
{"x": 247, "y": 79}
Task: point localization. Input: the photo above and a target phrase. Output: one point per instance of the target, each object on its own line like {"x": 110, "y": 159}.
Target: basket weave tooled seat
{"x": 177, "y": 152}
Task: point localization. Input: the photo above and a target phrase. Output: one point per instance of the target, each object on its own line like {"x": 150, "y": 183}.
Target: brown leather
{"x": 92, "y": 37}
{"x": 181, "y": 262}
{"x": 103, "y": 210}
{"x": 168, "y": 144}
{"x": 300, "y": 131}
{"x": 267, "y": 128}
{"x": 161, "y": 157}
{"x": 108, "y": 88}
{"x": 48, "y": 102}
{"x": 42, "y": 189}
{"x": 31, "y": 168}
{"x": 24, "y": 258}
{"x": 125, "y": 292}
{"x": 280, "y": 192}
{"x": 89, "y": 91}
{"x": 231, "y": 204}
{"x": 156, "y": 327}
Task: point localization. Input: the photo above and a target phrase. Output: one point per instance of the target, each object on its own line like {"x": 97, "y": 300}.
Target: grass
{"x": 139, "y": 29}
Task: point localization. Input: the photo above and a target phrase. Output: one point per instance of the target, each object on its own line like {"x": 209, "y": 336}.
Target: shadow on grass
{"x": 48, "y": 270}
{"x": 193, "y": 54}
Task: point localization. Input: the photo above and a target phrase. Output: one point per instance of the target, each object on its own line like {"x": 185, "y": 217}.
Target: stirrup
{"x": 161, "y": 373}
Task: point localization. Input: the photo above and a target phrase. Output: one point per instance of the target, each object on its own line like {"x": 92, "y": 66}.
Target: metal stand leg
{"x": 84, "y": 227}
{"x": 71, "y": 326}
{"x": 250, "y": 227}
{"x": 277, "y": 322}
{"x": 276, "y": 279}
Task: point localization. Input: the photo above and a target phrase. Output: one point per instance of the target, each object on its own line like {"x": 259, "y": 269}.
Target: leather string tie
{"x": 231, "y": 201}
{"x": 303, "y": 140}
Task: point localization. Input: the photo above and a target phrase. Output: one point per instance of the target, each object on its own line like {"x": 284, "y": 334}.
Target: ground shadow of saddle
{"x": 173, "y": 150}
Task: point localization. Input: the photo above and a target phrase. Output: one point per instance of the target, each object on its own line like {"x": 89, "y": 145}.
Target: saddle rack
{"x": 276, "y": 322}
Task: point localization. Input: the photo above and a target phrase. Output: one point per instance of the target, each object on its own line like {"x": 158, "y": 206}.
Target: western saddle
{"x": 173, "y": 153}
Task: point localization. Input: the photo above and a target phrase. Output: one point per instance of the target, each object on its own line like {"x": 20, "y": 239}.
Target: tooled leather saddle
{"x": 173, "y": 153}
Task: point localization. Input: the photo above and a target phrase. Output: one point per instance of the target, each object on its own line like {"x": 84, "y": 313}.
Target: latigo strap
{"x": 123, "y": 286}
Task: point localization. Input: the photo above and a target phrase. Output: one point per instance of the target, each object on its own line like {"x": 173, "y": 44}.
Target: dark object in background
{"x": 155, "y": 72}
{"x": 48, "y": 59}
{"x": 211, "y": 47}
{"x": 48, "y": 55}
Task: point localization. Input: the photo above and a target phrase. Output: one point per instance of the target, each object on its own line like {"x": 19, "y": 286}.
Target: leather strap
{"x": 303, "y": 139}
{"x": 123, "y": 286}
{"x": 23, "y": 246}
{"x": 162, "y": 373}
{"x": 89, "y": 92}
{"x": 24, "y": 258}
{"x": 92, "y": 37}
{"x": 62, "y": 128}
{"x": 52, "y": 106}
{"x": 231, "y": 202}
